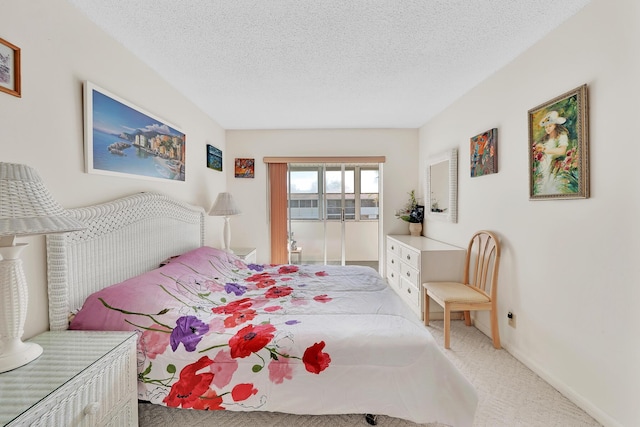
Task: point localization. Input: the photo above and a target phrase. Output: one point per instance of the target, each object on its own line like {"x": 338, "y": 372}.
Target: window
{"x": 359, "y": 189}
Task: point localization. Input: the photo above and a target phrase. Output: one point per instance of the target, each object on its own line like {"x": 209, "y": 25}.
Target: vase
{"x": 415, "y": 228}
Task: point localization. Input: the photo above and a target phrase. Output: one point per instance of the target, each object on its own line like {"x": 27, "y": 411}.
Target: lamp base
{"x": 16, "y": 353}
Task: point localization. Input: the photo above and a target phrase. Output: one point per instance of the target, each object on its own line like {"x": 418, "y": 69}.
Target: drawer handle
{"x": 392, "y": 247}
{"x": 92, "y": 408}
{"x": 409, "y": 290}
{"x": 408, "y": 274}
{"x": 409, "y": 257}
{"x": 392, "y": 275}
{"x": 393, "y": 261}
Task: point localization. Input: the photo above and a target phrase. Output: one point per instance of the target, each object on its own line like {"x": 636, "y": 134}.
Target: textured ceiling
{"x": 295, "y": 64}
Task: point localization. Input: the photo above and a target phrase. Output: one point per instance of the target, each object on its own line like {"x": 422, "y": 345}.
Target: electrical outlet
{"x": 511, "y": 319}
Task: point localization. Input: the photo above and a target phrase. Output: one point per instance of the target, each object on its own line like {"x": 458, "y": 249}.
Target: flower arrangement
{"x": 412, "y": 211}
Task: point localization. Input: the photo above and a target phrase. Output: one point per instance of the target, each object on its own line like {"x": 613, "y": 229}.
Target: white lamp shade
{"x": 224, "y": 206}
{"x": 26, "y": 207}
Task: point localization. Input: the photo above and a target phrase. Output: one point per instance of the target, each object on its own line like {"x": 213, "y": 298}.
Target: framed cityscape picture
{"x": 124, "y": 140}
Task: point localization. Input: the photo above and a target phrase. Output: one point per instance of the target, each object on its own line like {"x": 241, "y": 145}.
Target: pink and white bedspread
{"x": 215, "y": 333}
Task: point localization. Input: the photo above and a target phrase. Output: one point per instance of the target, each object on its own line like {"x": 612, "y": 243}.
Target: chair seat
{"x": 454, "y": 292}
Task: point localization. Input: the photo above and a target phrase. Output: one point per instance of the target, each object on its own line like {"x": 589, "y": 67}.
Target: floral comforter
{"x": 217, "y": 334}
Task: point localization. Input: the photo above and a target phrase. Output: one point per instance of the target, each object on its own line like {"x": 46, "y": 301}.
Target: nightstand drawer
{"x": 91, "y": 400}
{"x": 82, "y": 379}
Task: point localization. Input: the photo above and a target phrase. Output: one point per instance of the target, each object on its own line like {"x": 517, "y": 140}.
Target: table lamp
{"x": 226, "y": 207}
{"x": 26, "y": 208}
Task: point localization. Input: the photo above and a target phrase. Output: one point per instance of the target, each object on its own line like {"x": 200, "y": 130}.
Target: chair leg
{"x": 447, "y": 326}
{"x": 426, "y": 309}
{"x": 467, "y": 318}
{"x": 495, "y": 332}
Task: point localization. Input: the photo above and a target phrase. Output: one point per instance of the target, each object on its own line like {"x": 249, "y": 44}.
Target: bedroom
{"x": 575, "y": 315}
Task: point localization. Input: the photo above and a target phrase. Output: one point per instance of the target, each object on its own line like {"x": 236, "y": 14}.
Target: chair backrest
{"x": 483, "y": 260}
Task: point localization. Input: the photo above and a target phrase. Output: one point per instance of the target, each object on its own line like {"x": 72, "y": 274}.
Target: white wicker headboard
{"x": 124, "y": 238}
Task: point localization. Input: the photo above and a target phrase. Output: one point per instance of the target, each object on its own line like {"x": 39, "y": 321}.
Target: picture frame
{"x": 484, "y": 153}
{"x": 559, "y": 147}
{"x": 122, "y": 139}
{"x": 214, "y": 158}
{"x": 244, "y": 168}
{"x": 10, "y": 80}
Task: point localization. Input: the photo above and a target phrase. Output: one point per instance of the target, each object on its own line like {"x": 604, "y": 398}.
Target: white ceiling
{"x": 296, "y": 64}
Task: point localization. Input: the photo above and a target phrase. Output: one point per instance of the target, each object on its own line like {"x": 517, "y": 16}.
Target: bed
{"x": 215, "y": 333}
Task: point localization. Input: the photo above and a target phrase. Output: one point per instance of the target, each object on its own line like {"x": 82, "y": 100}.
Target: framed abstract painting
{"x": 214, "y": 158}
{"x": 244, "y": 168}
{"x": 558, "y": 147}
{"x": 484, "y": 153}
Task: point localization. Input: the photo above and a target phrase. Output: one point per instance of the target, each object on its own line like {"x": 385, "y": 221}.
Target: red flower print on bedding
{"x": 278, "y": 292}
{"x": 233, "y": 307}
{"x": 262, "y": 280}
{"x": 288, "y": 269}
{"x": 239, "y": 317}
{"x": 190, "y": 386}
{"x": 322, "y": 298}
{"x": 243, "y": 392}
{"x": 250, "y": 339}
{"x": 315, "y": 361}
{"x": 210, "y": 401}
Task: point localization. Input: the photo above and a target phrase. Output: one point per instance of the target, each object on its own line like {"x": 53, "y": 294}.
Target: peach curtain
{"x": 278, "y": 212}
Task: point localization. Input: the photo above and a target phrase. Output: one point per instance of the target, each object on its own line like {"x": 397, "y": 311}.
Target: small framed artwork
{"x": 214, "y": 158}
{"x": 484, "y": 153}
{"x": 244, "y": 168}
{"x": 10, "y": 68}
{"x": 558, "y": 147}
{"x": 124, "y": 140}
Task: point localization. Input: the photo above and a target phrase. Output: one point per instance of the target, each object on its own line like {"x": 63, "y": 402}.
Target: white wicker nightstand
{"x": 82, "y": 379}
{"x": 248, "y": 255}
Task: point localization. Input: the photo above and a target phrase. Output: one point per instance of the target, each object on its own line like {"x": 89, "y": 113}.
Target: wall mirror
{"x": 442, "y": 186}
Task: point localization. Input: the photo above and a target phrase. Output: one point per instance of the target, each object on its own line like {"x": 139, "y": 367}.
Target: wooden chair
{"x": 478, "y": 291}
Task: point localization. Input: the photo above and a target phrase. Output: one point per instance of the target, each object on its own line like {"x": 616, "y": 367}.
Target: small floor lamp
{"x": 26, "y": 208}
{"x": 226, "y": 207}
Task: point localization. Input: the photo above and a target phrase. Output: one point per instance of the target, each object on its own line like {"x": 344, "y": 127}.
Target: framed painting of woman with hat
{"x": 558, "y": 147}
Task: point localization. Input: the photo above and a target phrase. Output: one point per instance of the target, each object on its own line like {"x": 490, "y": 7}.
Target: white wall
{"x": 60, "y": 49}
{"x": 569, "y": 269}
{"x": 400, "y": 172}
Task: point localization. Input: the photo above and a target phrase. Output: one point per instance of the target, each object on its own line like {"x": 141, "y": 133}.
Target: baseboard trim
{"x": 584, "y": 404}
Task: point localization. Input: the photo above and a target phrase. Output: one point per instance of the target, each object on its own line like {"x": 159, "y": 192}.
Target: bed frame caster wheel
{"x": 371, "y": 419}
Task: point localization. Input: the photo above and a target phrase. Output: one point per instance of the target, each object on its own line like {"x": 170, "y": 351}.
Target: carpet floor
{"x": 510, "y": 395}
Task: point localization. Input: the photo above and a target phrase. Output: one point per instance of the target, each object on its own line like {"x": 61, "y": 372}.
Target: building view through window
{"x": 311, "y": 186}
